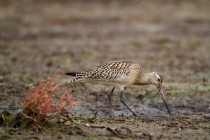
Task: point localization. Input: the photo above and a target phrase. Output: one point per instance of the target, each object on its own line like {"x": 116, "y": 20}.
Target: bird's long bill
{"x": 164, "y": 101}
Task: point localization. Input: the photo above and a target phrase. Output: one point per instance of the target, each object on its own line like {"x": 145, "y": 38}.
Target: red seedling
{"x": 38, "y": 102}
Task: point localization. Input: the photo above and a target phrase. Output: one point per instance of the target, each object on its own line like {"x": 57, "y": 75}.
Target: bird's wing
{"x": 110, "y": 71}
{"x": 106, "y": 72}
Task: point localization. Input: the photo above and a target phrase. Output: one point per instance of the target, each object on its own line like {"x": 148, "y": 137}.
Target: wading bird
{"x": 121, "y": 74}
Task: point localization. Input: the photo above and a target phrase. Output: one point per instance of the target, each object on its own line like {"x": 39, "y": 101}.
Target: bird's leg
{"x": 123, "y": 101}
{"x": 110, "y": 102}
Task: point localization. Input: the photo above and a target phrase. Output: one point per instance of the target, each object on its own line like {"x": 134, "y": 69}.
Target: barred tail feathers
{"x": 78, "y": 76}
{"x": 75, "y": 79}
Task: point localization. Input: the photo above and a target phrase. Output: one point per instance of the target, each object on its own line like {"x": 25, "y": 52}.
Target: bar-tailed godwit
{"x": 121, "y": 74}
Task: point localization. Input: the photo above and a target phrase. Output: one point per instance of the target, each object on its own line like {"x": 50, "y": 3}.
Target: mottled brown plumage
{"x": 120, "y": 74}
{"x": 116, "y": 73}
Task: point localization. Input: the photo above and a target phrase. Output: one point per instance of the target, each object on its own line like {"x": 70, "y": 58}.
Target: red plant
{"x": 38, "y": 102}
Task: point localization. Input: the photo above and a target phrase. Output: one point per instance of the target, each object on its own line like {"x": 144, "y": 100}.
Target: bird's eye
{"x": 159, "y": 79}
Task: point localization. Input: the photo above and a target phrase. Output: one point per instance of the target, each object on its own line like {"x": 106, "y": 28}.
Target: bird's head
{"x": 156, "y": 79}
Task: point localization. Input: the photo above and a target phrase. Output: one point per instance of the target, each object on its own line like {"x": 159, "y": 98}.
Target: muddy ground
{"x": 171, "y": 37}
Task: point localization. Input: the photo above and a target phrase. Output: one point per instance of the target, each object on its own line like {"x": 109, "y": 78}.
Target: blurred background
{"x": 171, "y": 37}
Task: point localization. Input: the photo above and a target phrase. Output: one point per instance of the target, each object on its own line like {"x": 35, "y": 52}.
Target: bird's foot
{"x": 134, "y": 114}
{"x": 95, "y": 114}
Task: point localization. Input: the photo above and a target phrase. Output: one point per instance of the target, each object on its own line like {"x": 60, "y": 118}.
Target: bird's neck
{"x": 145, "y": 79}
